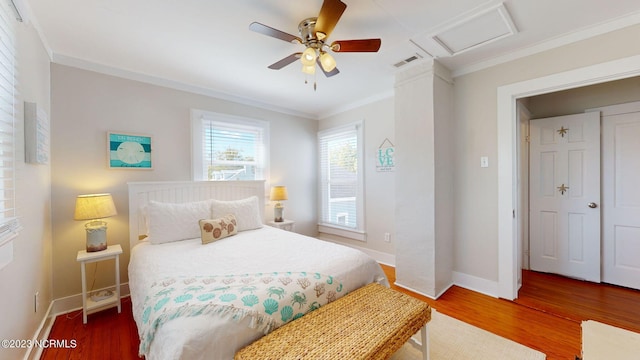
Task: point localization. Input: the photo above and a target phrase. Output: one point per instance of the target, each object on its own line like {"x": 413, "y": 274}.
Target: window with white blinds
{"x": 8, "y": 223}
{"x": 229, "y": 148}
{"x": 341, "y": 181}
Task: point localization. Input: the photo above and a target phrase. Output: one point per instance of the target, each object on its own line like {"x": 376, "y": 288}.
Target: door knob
{"x": 592, "y": 205}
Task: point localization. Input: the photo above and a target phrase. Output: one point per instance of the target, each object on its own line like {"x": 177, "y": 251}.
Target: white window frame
{"x": 9, "y": 223}
{"x": 357, "y": 233}
{"x": 198, "y": 117}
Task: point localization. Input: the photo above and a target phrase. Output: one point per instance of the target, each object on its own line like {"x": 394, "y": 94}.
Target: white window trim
{"x": 342, "y": 232}
{"x": 9, "y": 223}
{"x": 196, "y": 144}
{"x": 359, "y": 233}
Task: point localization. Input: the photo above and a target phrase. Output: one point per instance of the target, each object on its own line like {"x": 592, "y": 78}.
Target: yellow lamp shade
{"x": 278, "y": 193}
{"x": 94, "y": 206}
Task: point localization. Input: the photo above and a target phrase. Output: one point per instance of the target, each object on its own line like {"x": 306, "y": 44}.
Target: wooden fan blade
{"x": 269, "y": 31}
{"x": 284, "y": 62}
{"x": 362, "y": 45}
{"x": 331, "y": 73}
{"x": 330, "y": 13}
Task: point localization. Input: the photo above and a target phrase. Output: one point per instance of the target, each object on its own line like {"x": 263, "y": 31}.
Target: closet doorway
{"x": 619, "y": 202}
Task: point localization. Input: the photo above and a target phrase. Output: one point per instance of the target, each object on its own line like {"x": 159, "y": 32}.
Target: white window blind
{"x": 341, "y": 199}
{"x": 8, "y": 223}
{"x": 229, "y": 148}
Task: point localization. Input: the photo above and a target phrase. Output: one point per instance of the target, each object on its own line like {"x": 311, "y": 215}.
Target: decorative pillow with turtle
{"x": 215, "y": 229}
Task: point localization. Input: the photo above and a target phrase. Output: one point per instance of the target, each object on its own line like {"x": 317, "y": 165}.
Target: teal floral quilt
{"x": 269, "y": 299}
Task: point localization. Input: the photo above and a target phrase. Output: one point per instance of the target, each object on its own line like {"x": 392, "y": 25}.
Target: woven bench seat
{"x": 372, "y": 322}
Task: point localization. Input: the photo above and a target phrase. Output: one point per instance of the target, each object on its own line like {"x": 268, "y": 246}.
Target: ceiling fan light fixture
{"x": 309, "y": 69}
{"x": 327, "y": 62}
{"x": 308, "y": 57}
{"x": 314, "y": 35}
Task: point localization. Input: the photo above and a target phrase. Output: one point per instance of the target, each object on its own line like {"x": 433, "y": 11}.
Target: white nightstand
{"x": 288, "y": 225}
{"x": 84, "y": 257}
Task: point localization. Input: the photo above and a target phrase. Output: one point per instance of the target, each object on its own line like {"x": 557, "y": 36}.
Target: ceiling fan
{"x": 314, "y": 33}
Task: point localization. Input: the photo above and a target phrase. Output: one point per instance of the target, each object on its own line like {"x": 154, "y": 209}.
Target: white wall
{"x": 475, "y": 96}
{"x": 379, "y": 186}
{"x": 86, "y": 105}
{"x": 30, "y": 270}
{"x": 424, "y": 210}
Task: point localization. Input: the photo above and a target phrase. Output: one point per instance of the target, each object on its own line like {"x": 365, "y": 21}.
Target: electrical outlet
{"x": 36, "y": 301}
{"x": 387, "y": 237}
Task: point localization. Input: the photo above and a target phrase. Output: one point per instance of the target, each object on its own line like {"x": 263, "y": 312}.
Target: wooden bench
{"x": 372, "y": 322}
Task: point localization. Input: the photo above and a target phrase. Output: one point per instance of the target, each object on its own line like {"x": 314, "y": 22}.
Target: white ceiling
{"x": 206, "y": 45}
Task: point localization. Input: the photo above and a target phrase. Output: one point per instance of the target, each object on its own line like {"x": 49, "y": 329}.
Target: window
{"x": 9, "y": 225}
{"x": 228, "y": 148}
{"x": 341, "y": 181}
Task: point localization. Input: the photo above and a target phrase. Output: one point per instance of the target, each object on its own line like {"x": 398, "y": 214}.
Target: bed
{"x": 204, "y": 298}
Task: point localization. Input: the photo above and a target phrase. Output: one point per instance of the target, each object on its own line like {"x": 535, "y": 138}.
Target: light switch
{"x": 484, "y": 161}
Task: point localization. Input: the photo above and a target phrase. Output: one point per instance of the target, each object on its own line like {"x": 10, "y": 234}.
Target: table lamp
{"x": 95, "y": 207}
{"x": 278, "y": 193}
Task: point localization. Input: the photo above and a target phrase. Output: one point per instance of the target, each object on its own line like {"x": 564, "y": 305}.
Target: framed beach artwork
{"x": 129, "y": 151}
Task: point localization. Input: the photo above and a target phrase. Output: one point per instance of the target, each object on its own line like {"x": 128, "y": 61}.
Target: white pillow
{"x": 247, "y": 212}
{"x": 172, "y": 222}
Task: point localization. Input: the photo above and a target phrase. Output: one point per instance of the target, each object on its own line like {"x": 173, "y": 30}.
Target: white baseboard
{"x": 469, "y": 282}
{"x": 476, "y": 284}
{"x": 41, "y": 334}
{"x": 74, "y": 302}
{"x": 398, "y": 284}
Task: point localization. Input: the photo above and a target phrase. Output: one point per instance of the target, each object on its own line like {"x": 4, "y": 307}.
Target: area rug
{"x": 452, "y": 339}
{"x": 602, "y": 341}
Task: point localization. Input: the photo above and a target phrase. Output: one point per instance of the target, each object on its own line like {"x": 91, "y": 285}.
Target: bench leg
{"x": 424, "y": 338}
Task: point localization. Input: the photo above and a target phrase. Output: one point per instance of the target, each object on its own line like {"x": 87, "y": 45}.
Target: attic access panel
{"x": 470, "y": 32}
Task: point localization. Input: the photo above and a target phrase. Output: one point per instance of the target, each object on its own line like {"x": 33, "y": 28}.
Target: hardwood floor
{"x": 546, "y": 317}
{"x": 107, "y": 335}
{"x": 581, "y": 300}
{"x": 547, "y": 314}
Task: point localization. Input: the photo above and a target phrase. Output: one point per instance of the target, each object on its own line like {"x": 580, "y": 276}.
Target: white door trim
{"x": 509, "y": 150}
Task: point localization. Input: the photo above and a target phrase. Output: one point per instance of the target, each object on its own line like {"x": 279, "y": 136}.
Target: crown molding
{"x": 176, "y": 85}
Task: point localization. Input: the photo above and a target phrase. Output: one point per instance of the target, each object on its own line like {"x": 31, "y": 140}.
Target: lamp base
{"x": 96, "y": 235}
{"x": 277, "y": 213}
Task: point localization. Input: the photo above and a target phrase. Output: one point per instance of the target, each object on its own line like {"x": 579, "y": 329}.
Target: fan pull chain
{"x": 315, "y": 78}
{"x": 315, "y": 84}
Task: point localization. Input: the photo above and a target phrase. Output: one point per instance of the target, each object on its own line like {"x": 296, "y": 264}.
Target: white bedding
{"x": 253, "y": 251}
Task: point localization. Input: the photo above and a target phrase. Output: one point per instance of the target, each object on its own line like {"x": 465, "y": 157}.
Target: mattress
{"x": 264, "y": 250}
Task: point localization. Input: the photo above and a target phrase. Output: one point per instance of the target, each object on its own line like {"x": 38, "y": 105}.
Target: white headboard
{"x": 140, "y": 193}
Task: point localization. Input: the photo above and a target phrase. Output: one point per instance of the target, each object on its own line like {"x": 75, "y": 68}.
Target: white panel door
{"x": 564, "y": 195}
{"x": 621, "y": 199}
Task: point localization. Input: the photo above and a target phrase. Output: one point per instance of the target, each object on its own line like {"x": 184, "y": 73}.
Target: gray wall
{"x": 379, "y": 186}
{"x": 577, "y": 100}
{"x": 476, "y": 128}
{"x": 30, "y": 270}
{"x": 86, "y": 105}
{"x": 474, "y": 135}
